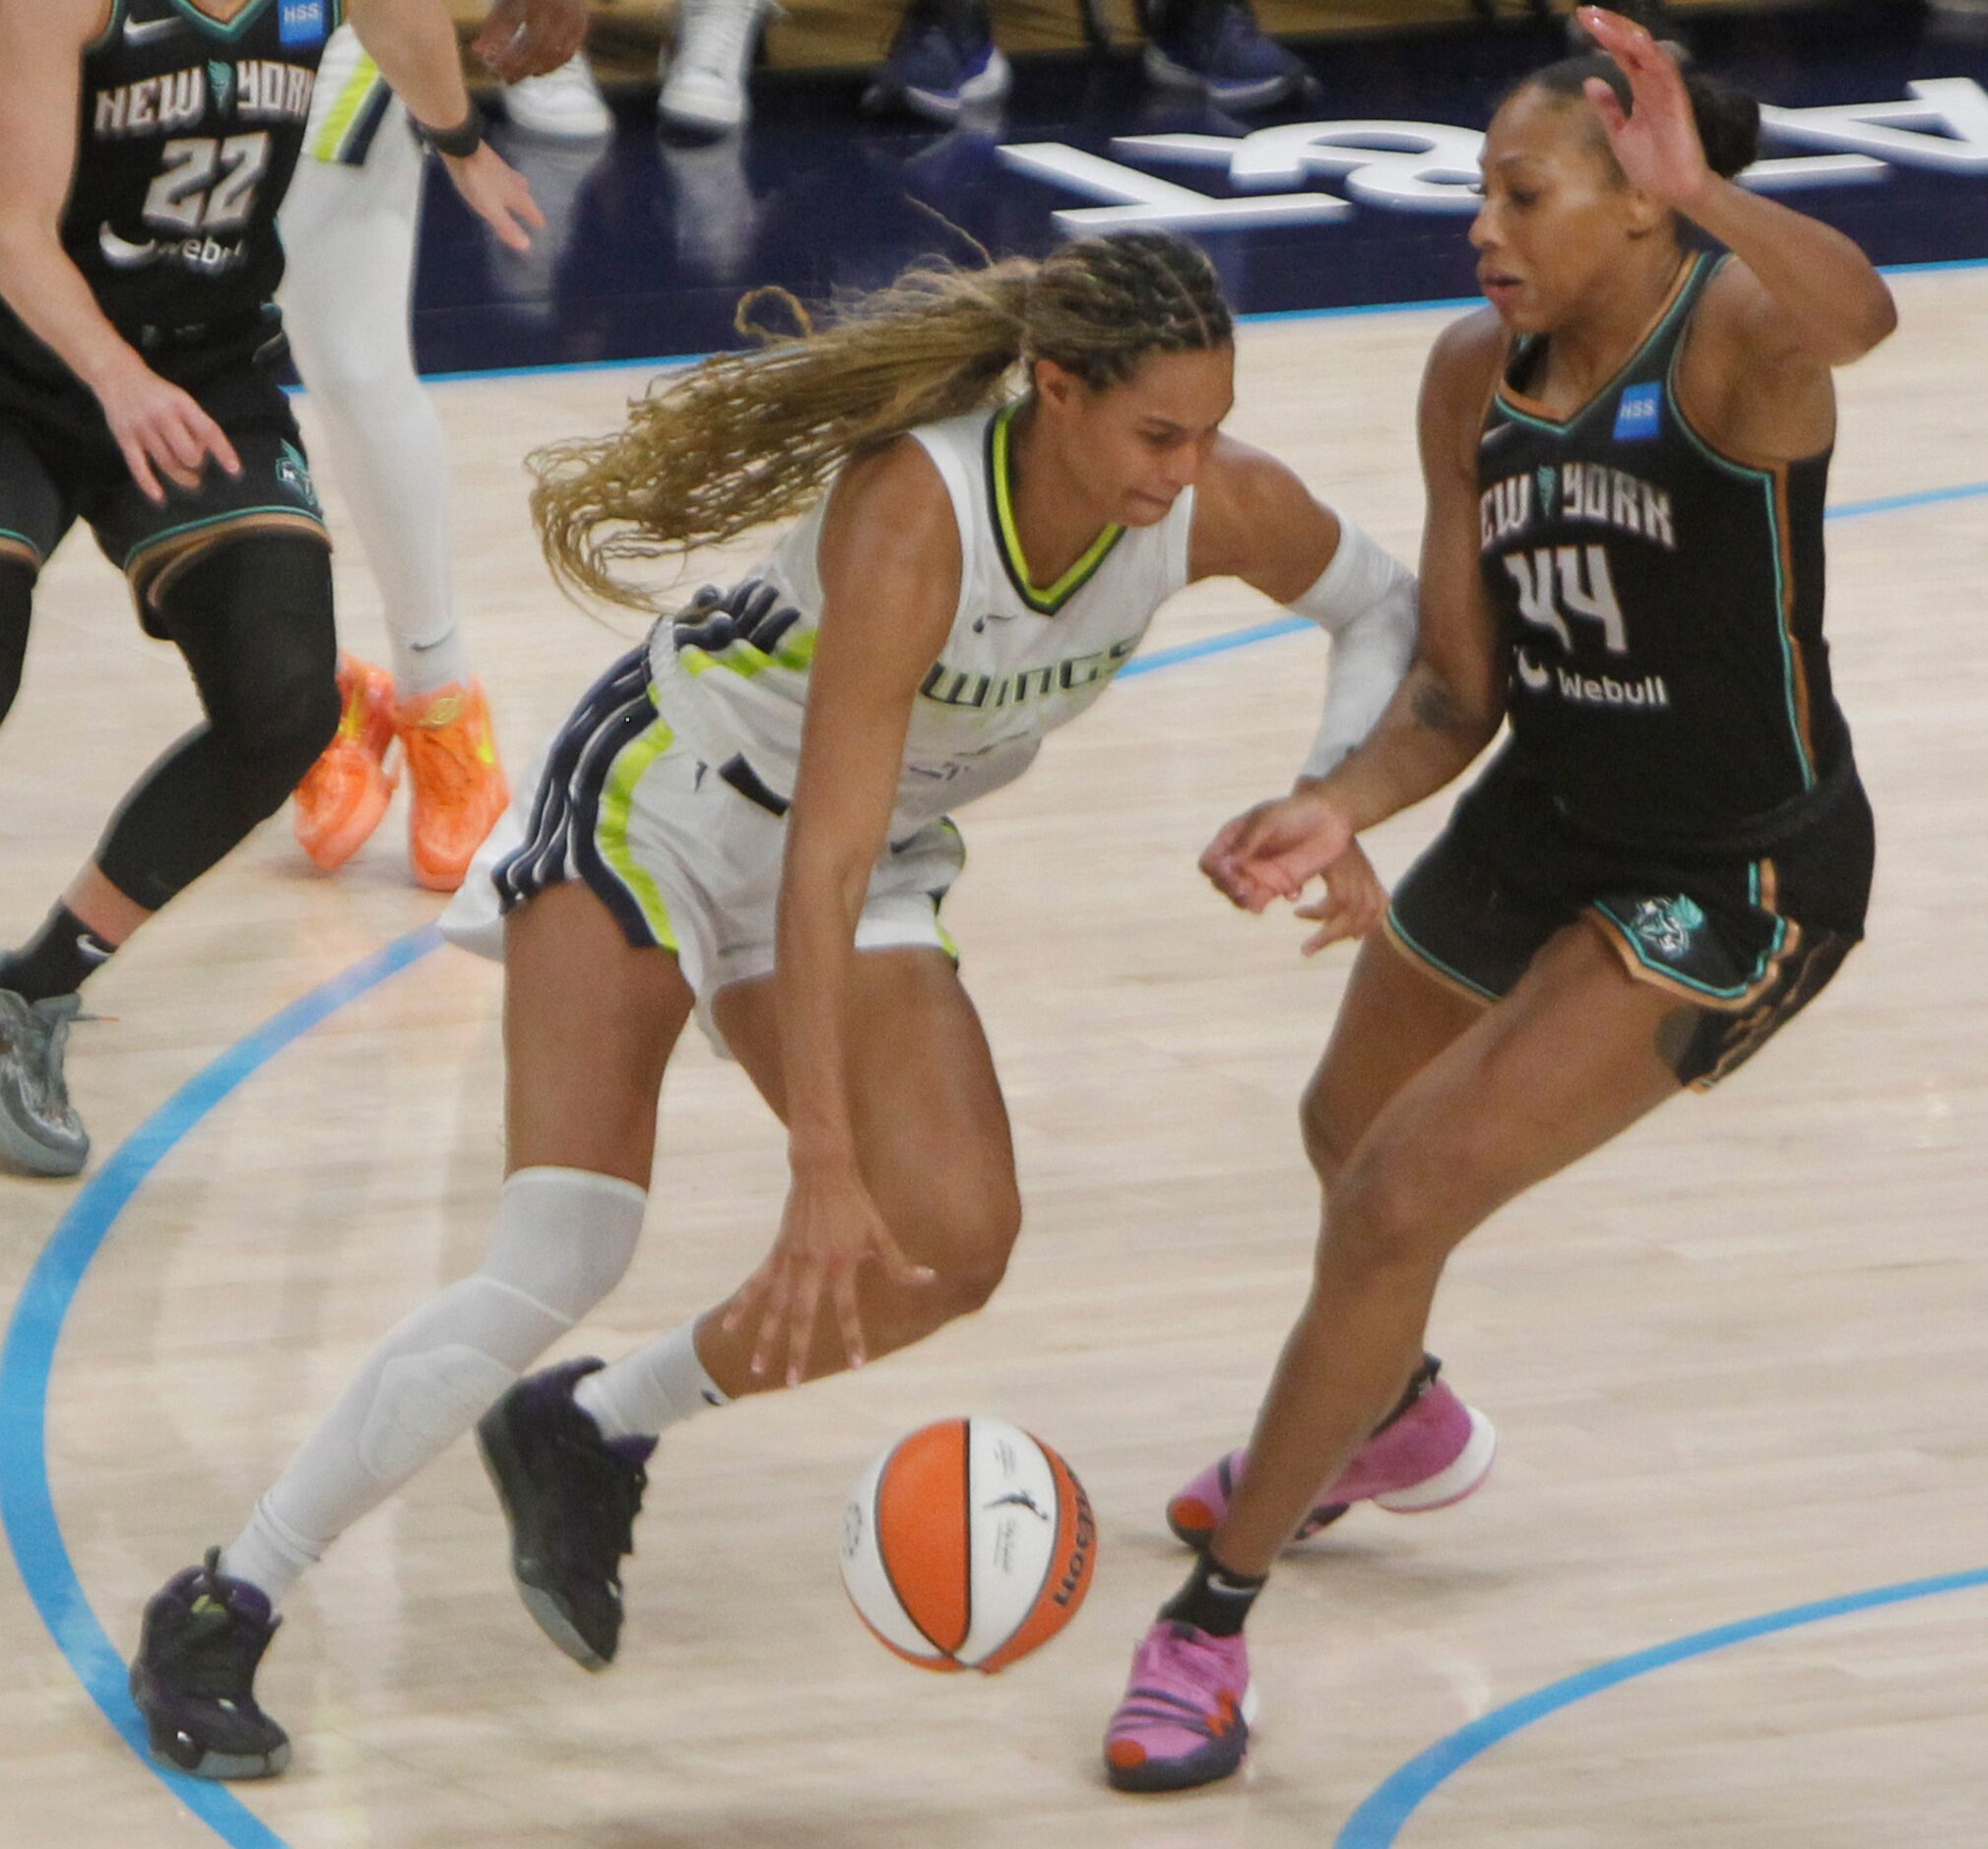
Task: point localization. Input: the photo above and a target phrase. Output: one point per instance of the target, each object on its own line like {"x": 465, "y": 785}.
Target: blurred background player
{"x": 350, "y": 227}
{"x": 139, "y": 348}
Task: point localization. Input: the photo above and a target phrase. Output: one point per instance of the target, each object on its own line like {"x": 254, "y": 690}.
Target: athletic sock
{"x": 645, "y": 1393}
{"x": 57, "y": 960}
{"x": 1214, "y": 1598}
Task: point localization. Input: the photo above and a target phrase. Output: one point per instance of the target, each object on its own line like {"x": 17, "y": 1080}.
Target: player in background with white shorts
{"x": 348, "y": 230}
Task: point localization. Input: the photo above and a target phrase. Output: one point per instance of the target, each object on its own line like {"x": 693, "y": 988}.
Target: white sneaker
{"x": 704, "y": 87}
{"x": 564, "y": 104}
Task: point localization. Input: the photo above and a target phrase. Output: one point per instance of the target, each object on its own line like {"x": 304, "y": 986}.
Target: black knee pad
{"x": 16, "y": 600}
{"x": 253, "y": 617}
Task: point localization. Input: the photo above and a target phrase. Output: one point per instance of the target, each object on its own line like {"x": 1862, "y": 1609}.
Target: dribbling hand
{"x": 830, "y": 1229}
{"x": 498, "y": 194}
{"x": 1656, "y": 142}
{"x": 162, "y": 430}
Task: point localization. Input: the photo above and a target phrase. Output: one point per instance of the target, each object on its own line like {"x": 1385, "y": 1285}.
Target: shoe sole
{"x": 21, "y": 1151}
{"x": 330, "y": 852}
{"x": 1153, "y": 1777}
{"x": 1162, "y": 69}
{"x": 222, "y": 1767}
{"x": 498, "y": 1452}
{"x": 1463, "y": 1476}
{"x": 1451, "y": 1485}
{"x": 945, "y": 106}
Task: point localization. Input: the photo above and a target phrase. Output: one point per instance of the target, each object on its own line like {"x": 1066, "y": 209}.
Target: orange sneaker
{"x": 457, "y": 785}
{"x": 344, "y": 793}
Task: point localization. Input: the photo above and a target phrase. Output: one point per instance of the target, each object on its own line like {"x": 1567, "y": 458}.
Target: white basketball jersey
{"x": 1020, "y": 661}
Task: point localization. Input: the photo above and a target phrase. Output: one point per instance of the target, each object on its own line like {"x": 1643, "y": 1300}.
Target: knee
{"x": 255, "y": 618}
{"x": 972, "y": 1256}
{"x": 1391, "y": 1212}
{"x": 1329, "y": 1137}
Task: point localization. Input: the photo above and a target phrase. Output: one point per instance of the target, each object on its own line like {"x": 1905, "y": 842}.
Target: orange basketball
{"x": 967, "y": 1545}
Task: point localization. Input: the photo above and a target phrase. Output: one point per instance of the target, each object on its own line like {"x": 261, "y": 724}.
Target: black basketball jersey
{"x": 1663, "y": 604}
{"x": 187, "y": 137}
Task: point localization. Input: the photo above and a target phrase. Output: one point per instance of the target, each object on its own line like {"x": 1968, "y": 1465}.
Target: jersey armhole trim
{"x": 960, "y": 490}
{"x": 109, "y": 32}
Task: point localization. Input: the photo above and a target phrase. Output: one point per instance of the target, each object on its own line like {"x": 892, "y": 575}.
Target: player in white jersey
{"x": 348, "y": 228}
{"x": 974, "y": 569}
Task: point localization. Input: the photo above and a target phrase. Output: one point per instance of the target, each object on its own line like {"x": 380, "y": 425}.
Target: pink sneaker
{"x": 1187, "y": 1713}
{"x": 1434, "y": 1453}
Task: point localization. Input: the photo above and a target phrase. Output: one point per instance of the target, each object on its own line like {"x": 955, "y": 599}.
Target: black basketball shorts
{"x": 1750, "y": 939}
{"x": 58, "y": 464}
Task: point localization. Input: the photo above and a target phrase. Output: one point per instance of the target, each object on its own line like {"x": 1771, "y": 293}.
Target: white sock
{"x": 349, "y": 242}
{"x": 564, "y": 1238}
{"x": 643, "y": 1395}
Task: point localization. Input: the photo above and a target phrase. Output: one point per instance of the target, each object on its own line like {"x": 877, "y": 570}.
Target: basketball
{"x": 967, "y": 1545}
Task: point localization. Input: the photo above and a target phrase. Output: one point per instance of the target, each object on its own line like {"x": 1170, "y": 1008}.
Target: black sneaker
{"x": 194, "y": 1676}
{"x": 571, "y": 1497}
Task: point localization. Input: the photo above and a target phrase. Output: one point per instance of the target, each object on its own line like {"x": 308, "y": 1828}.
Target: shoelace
{"x": 217, "y": 1654}
{"x": 619, "y": 1486}
{"x": 46, "y": 1040}
{"x": 442, "y": 760}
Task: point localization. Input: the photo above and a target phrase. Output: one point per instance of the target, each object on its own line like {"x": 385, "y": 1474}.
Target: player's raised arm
{"x": 1815, "y": 297}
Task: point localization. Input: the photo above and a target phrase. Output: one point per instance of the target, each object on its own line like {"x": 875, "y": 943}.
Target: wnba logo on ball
{"x": 967, "y": 1545}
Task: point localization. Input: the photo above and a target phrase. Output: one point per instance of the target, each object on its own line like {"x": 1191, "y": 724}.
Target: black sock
{"x": 56, "y": 960}
{"x": 1214, "y": 1598}
{"x": 1423, "y": 1378}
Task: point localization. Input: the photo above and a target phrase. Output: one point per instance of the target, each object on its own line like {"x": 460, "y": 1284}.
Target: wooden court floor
{"x": 1735, "y": 1360}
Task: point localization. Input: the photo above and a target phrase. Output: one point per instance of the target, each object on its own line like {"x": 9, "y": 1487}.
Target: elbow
{"x": 1875, "y": 324}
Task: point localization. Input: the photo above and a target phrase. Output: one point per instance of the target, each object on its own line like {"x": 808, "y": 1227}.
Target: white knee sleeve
{"x": 563, "y": 1240}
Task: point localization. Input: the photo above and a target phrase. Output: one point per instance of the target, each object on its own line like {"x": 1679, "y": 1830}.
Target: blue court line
{"x": 27, "y": 1359}
{"x": 26, "y": 1503}
{"x": 1455, "y": 304}
{"x": 1379, "y": 1821}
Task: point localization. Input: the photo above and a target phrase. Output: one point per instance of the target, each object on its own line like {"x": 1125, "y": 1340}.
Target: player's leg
{"x": 351, "y": 224}
{"x": 922, "y": 1079}
{"x": 251, "y": 612}
{"x": 1575, "y": 1053}
{"x": 1431, "y": 1450}
{"x": 590, "y": 1022}
{"x": 40, "y": 1130}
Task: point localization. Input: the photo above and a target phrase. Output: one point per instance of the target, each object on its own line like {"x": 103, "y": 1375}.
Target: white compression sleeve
{"x": 1365, "y": 601}
{"x": 349, "y": 246}
{"x": 564, "y": 1238}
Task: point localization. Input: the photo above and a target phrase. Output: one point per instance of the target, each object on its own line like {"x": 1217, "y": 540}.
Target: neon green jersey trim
{"x": 1046, "y": 602}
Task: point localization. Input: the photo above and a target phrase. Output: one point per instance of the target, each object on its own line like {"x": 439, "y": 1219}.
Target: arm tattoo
{"x": 1434, "y": 709}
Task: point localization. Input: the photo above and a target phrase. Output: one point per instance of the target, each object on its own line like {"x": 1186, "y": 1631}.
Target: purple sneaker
{"x": 1187, "y": 1713}
{"x": 571, "y": 1497}
{"x": 1435, "y": 1452}
{"x": 193, "y": 1677}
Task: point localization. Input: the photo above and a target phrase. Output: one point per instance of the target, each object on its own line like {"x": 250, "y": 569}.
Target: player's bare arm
{"x": 891, "y": 578}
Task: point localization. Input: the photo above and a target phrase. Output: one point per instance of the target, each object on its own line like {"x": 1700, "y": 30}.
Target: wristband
{"x": 458, "y": 143}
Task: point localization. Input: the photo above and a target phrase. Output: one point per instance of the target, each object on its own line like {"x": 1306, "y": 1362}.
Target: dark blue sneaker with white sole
{"x": 194, "y": 1676}
{"x": 571, "y": 1497}
{"x": 942, "y": 62}
{"x": 1216, "y": 47}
